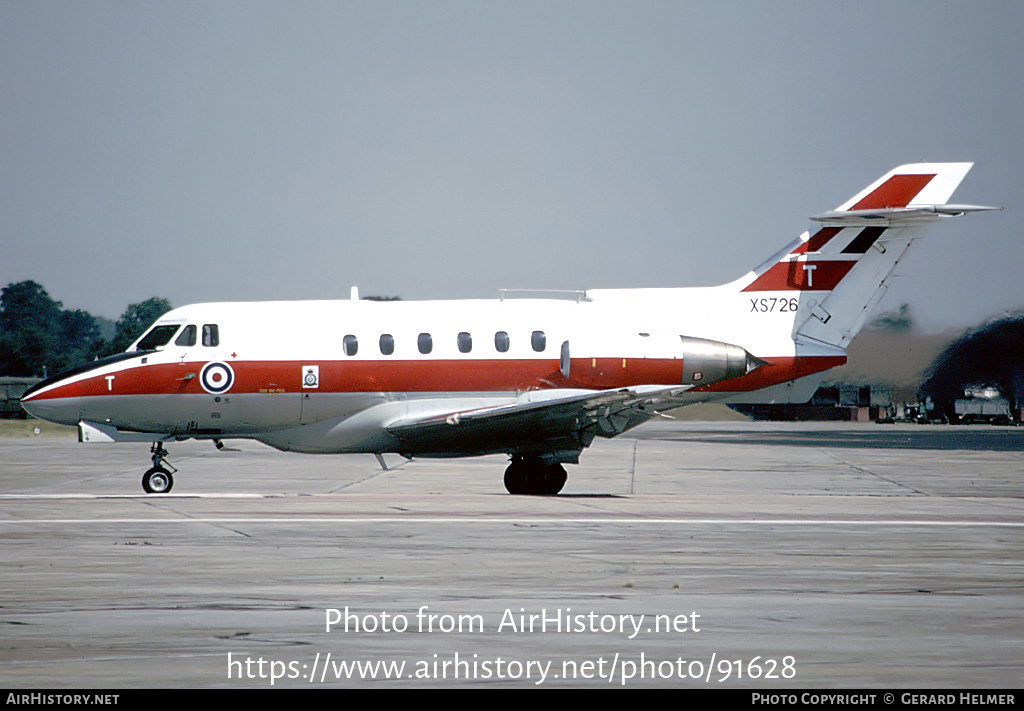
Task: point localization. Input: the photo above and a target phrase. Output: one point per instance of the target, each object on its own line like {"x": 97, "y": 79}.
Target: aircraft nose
{"x": 59, "y": 398}
{"x": 57, "y": 402}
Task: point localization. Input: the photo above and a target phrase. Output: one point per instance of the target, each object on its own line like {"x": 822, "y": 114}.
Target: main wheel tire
{"x": 532, "y": 477}
{"x": 547, "y": 480}
{"x": 157, "y": 481}
{"x": 515, "y": 478}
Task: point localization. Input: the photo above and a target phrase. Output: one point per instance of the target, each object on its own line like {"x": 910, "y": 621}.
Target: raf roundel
{"x": 217, "y": 378}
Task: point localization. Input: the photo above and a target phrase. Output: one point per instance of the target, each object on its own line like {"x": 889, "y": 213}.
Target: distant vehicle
{"x": 983, "y": 406}
{"x": 537, "y": 379}
{"x": 913, "y": 413}
{"x": 11, "y": 391}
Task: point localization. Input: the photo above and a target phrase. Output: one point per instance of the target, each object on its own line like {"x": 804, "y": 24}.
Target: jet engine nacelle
{"x": 706, "y": 361}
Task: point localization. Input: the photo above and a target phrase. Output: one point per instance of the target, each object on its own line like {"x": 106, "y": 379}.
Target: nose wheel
{"x": 158, "y": 480}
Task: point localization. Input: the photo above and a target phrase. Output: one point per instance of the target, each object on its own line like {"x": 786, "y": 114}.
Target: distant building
{"x": 11, "y": 390}
{"x": 895, "y": 373}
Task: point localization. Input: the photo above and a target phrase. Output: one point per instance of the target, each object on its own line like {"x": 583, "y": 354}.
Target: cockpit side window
{"x": 158, "y": 336}
{"x": 187, "y": 337}
{"x": 211, "y": 335}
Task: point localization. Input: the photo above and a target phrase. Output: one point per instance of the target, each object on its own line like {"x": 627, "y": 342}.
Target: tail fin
{"x": 838, "y": 274}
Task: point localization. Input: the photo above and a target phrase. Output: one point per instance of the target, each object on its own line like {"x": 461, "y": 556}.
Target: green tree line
{"x": 38, "y": 336}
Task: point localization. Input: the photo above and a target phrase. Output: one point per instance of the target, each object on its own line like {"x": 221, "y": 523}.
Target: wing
{"x": 538, "y": 422}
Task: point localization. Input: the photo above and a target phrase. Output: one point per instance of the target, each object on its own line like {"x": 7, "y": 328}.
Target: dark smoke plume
{"x": 991, "y": 355}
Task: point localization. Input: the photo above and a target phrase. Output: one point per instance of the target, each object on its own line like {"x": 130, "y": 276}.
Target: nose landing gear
{"x": 158, "y": 480}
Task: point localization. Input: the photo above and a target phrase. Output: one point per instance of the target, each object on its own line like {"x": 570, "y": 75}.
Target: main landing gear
{"x": 158, "y": 480}
{"x": 532, "y": 475}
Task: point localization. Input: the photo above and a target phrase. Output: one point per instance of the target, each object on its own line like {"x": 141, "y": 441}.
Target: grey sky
{"x": 206, "y": 151}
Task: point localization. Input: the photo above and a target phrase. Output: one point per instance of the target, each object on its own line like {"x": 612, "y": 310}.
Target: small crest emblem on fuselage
{"x": 310, "y": 376}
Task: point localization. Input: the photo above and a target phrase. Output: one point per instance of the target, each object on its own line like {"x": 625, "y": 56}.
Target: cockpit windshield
{"x": 157, "y": 336}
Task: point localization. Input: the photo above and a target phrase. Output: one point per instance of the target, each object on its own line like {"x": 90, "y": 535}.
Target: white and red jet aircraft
{"x": 537, "y": 379}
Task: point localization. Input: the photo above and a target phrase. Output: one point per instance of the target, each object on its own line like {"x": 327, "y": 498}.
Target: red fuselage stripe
{"x": 427, "y": 376}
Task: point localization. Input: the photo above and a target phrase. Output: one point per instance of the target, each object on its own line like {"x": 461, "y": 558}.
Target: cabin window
{"x": 425, "y": 343}
{"x": 465, "y": 342}
{"x": 351, "y": 344}
{"x": 187, "y": 337}
{"x": 538, "y": 340}
{"x": 157, "y": 337}
{"x": 211, "y": 335}
{"x": 387, "y": 344}
{"x": 501, "y": 342}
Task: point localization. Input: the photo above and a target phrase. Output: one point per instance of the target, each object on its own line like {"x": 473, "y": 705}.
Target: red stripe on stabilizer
{"x": 815, "y": 243}
{"x": 802, "y": 276}
{"x": 897, "y": 191}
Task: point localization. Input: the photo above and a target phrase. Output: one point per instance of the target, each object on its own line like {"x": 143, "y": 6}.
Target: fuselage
{"x": 262, "y": 369}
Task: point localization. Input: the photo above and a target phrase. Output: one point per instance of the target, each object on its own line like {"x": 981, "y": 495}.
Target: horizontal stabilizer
{"x": 890, "y": 216}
